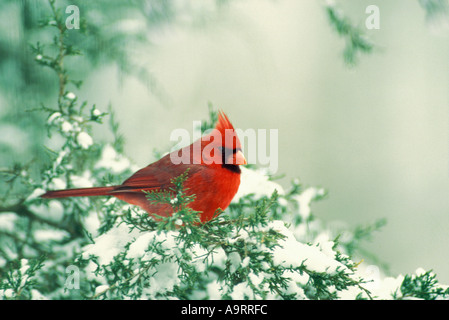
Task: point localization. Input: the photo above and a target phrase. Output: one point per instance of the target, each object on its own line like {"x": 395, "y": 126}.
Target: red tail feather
{"x": 83, "y": 192}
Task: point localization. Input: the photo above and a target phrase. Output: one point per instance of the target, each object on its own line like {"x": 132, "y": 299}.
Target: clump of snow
{"x": 386, "y": 287}
{"x": 92, "y": 223}
{"x": 256, "y": 279}
{"x": 50, "y": 235}
{"x": 100, "y": 289}
{"x": 52, "y": 210}
{"x": 214, "y": 290}
{"x": 379, "y": 286}
{"x": 57, "y": 183}
{"x": 110, "y": 244}
{"x": 241, "y": 291}
{"x": 257, "y": 183}
{"x": 23, "y": 270}
{"x": 36, "y": 295}
{"x": 293, "y": 253}
{"x": 112, "y": 161}
{"x": 53, "y": 117}
{"x": 7, "y": 221}
{"x": 235, "y": 261}
{"x": 323, "y": 242}
{"x": 115, "y": 241}
{"x": 218, "y": 258}
{"x": 84, "y": 181}
{"x": 70, "y": 96}
{"x": 245, "y": 262}
{"x": 140, "y": 245}
{"x": 60, "y": 157}
{"x": 66, "y": 126}
{"x": 164, "y": 280}
{"x": 7, "y": 293}
{"x": 96, "y": 112}
{"x": 35, "y": 194}
{"x": 84, "y": 140}
{"x": 305, "y": 198}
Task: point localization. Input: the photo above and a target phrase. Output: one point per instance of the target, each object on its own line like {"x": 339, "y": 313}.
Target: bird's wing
{"x": 155, "y": 176}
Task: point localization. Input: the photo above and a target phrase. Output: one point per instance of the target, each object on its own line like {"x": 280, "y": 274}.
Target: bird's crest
{"x": 223, "y": 123}
{"x": 226, "y": 129}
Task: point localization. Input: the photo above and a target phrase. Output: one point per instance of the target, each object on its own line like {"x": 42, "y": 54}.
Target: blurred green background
{"x": 375, "y": 135}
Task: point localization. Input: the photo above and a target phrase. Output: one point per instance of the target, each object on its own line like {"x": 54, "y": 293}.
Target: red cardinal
{"x": 214, "y": 175}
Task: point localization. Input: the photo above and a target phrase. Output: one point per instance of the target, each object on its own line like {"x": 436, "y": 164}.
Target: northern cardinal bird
{"x": 213, "y": 176}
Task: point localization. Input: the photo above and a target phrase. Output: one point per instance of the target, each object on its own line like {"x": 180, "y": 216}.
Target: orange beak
{"x": 239, "y": 158}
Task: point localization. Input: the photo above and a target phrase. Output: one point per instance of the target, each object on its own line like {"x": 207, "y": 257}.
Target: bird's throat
{"x": 231, "y": 167}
